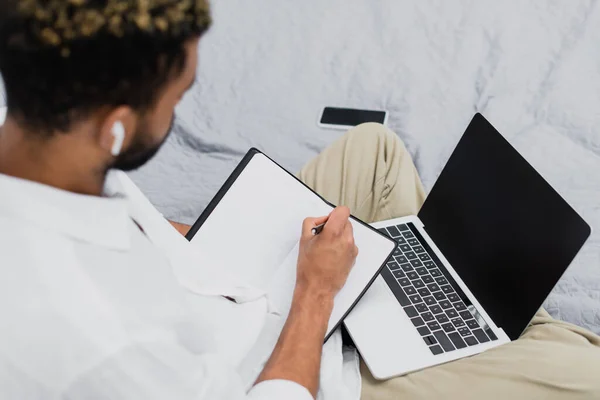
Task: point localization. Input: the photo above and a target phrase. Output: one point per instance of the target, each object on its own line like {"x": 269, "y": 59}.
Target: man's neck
{"x": 63, "y": 161}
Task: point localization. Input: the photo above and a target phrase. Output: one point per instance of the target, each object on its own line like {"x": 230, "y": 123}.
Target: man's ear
{"x": 117, "y": 129}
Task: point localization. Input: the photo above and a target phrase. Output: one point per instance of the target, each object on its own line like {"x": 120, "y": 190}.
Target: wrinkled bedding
{"x": 266, "y": 69}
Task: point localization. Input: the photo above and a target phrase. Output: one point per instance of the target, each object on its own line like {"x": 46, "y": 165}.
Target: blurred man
{"x": 101, "y": 298}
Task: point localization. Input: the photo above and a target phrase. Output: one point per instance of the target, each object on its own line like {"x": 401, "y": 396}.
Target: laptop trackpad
{"x": 384, "y": 335}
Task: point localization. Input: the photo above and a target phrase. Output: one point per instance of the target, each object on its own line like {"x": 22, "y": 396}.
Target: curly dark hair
{"x": 62, "y": 59}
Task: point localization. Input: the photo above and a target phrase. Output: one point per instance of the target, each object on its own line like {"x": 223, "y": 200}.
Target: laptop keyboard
{"x": 430, "y": 297}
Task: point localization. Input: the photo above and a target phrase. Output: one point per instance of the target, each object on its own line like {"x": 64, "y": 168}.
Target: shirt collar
{"x": 102, "y": 221}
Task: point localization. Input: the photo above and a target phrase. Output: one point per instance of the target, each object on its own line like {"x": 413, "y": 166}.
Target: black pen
{"x": 317, "y": 229}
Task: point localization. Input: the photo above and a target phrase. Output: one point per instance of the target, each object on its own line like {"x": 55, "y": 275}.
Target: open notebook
{"x": 252, "y": 229}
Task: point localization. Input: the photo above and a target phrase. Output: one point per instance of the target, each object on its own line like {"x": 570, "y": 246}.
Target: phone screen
{"x": 350, "y": 116}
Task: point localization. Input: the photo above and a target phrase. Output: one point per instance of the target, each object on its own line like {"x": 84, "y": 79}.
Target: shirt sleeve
{"x": 157, "y": 374}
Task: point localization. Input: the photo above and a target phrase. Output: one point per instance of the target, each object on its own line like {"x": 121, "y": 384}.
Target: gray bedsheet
{"x": 267, "y": 68}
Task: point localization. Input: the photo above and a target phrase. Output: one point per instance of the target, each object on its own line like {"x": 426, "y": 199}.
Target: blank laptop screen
{"x": 505, "y": 231}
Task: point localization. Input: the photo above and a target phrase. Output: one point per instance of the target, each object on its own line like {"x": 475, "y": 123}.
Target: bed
{"x": 266, "y": 69}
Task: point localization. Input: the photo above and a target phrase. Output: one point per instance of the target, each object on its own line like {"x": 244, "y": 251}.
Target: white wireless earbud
{"x": 118, "y": 132}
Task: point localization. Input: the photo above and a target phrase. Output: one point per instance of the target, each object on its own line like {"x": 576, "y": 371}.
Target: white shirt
{"x": 93, "y": 308}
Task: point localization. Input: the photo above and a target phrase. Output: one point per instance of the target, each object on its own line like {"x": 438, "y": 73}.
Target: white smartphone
{"x": 346, "y": 118}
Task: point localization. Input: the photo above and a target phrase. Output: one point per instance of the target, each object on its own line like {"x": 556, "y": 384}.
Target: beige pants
{"x": 370, "y": 171}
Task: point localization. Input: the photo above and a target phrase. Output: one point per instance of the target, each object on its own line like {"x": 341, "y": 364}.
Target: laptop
{"x": 471, "y": 270}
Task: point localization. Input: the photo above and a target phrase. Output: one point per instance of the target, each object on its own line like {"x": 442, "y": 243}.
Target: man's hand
{"x": 325, "y": 260}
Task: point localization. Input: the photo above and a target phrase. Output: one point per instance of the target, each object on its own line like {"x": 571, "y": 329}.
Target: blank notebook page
{"x": 253, "y": 231}
{"x": 258, "y": 222}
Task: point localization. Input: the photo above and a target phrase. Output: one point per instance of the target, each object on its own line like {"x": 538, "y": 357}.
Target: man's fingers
{"x": 349, "y": 235}
{"x": 349, "y": 229}
{"x": 309, "y": 223}
{"x": 349, "y": 232}
{"x": 320, "y": 220}
{"x": 336, "y": 224}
